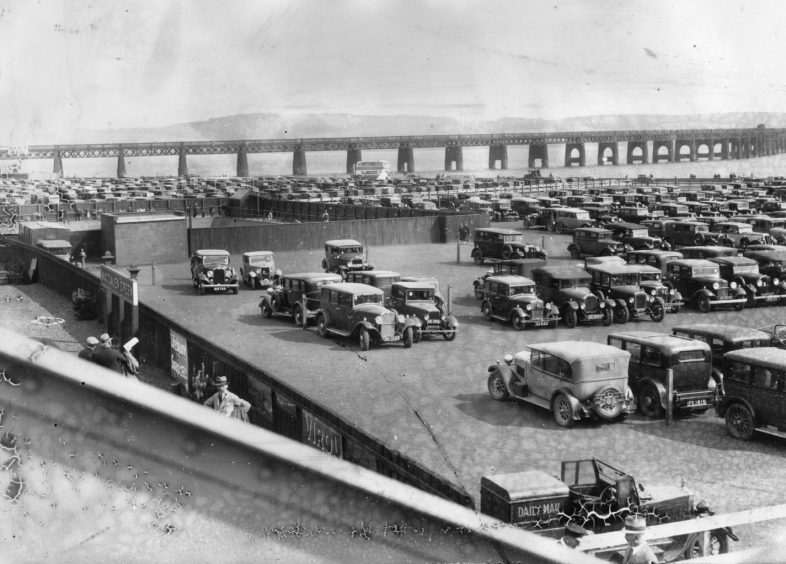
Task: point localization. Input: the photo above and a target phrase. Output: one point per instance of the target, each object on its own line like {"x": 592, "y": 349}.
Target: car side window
{"x": 740, "y": 372}
{"x": 536, "y": 359}
{"x": 650, "y": 356}
{"x": 762, "y": 377}
{"x": 635, "y": 351}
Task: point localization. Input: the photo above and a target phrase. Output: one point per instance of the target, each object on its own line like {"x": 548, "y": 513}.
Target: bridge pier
{"x": 406, "y": 159}
{"x": 121, "y": 163}
{"x": 657, "y": 146}
{"x": 615, "y": 152}
{"x": 498, "y": 153}
{"x": 354, "y": 156}
{"x": 571, "y": 160}
{"x": 242, "y": 161}
{"x": 539, "y": 151}
{"x": 58, "y": 164}
{"x": 632, "y": 146}
{"x": 299, "y": 163}
{"x": 690, "y": 143}
{"x": 182, "y": 165}
{"x": 454, "y": 155}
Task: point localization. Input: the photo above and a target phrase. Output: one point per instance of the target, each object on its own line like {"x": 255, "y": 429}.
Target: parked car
{"x": 700, "y": 284}
{"x": 516, "y": 267}
{"x": 494, "y": 243}
{"x": 420, "y": 300}
{"x": 650, "y": 280}
{"x": 568, "y": 288}
{"x": 759, "y": 288}
{"x": 755, "y": 396}
{"x": 634, "y": 235}
{"x": 572, "y": 379}
{"x": 772, "y": 262}
{"x": 708, "y": 251}
{"x": 512, "y": 298}
{"x": 739, "y": 235}
{"x": 287, "y": 297}
{"x": 356, "y": 310}
{"x": 595, "y": 241}
{"x": 258, "y": 268}
{"x": 652, "y": 356}
{"x": 502, "y": 211}
{"x": 685, "y": 233}
{"x": 633, "y": 214}
{"x": 567, "y": 219}
{"x": 210, "y": 270}
{"x": 619, "y": 282}
{"x": 656, "y": 258}
{"x": 344, "y": 255}
{"x": 382, "y": 279}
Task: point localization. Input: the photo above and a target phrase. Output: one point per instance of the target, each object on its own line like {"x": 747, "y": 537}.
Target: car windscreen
{"x": 650, "y": 276}
{"x": 263, "y": 260}
{"x": 367, "y": 299}
{"x": 573, "y": 283}
{"x": 639, "y": 233}
{"x": 516, "y": 290}
{"x": 623, "y": 279}
{"x": 746, "y": 269}
{"x": 215, "y": 260}
{"x": 420, "y": 295}
{"x": 709, "y": 271}
{"x": 348, "y": 250}
{"x": 691, "y": 356}
{"x": 512, "y": 238}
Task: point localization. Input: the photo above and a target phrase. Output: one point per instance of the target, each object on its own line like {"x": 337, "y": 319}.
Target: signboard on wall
{"x": 320, "y": 435}
{"x": 124, "y": 286}
{"x": 179, "y": 358}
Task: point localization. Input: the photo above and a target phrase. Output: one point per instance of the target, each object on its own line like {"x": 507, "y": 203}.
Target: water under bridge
{"x": 640, "y": 147}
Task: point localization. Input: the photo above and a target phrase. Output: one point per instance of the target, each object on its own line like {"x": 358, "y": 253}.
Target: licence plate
{"x": 540, "y": 323}
{"x": 696, "y": 403}
{"x": 771, "y": 298}
{"x": 594, "y": 316}
{"x": 221, "y": 288}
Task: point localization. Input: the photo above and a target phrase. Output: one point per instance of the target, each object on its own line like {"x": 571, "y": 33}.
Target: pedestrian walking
{"x": 638, "y": 551}
{"x": 89, "y": 350}
{"x": 227, "y": 403}
{"x": 325, "y": 216}
{"x": 82, "y": 257}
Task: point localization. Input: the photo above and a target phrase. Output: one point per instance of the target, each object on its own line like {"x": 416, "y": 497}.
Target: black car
{"x": 619, "y": 282}
{"x": 297, "y": 295}
{"x": 493, "y": 243}
{"x": 513, "y": 298}
{"x": 701, "y": 285}
{"x": 759, "y": 288}
{"x": 568, "y": 288}
{"x": 634, "y": 235}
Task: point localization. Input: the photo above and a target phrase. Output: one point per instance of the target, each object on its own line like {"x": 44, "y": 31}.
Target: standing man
{"x": 227, "y": 403}
{"x": 88, "y": 352}
{"x": 638, "y": 551}
{"x": 82, "y": 256}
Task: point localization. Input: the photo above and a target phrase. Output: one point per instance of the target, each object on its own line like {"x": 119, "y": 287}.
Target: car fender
{"x": 571, "y": 304}
{"x": 727, "y": 403}
{"x": 411, "y": 322}
{"x": 266, "y": 297}
{"x": 659, "y": 386}
{"x": 620, "y": 303}
{"x": 610, "y": 303}
{"x": 452, "y": 321}
{"x": 575, "y": 404}
{"x": 573, "y": 246}
{"x": 676, "y": 296}
{"x": 740, "y": 292}
{"x": 506, "y": 372}
{"x": 368, "y": 325}
{"x": 517, "y": 311}
{"x": 704, "y": 292}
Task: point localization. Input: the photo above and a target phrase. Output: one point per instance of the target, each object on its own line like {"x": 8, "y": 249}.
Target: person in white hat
{"x": 227, "y": 403}
{"x": 638, "y": 551}
{"x": 88, "y": 352}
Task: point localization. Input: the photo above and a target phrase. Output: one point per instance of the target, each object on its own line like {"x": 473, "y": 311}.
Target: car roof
{"x": 769, "y": 254}
{"x": 674, "y": 343}
{"x": 571, "y": 351}
{"x": 511, "y": 280}
{"x": 732, "y": 260}
{"x": 374, "y": 273}
{"x": 694, "y": 262}
{"x": 572, "y": 210}
{"x": 656, "y": 252}
{"x": 311, "y": 276}
{"x": 626, "y": 225}
{"x": 769, "y": 357}
{"x": 737, "y": 223}
{"x": 211, "y": 252}
{"x": 355, "y": 288}
{"x": 711, "y": 248}
{"x": 563, "y": 272}
{"x": 343, "y": 243}
{"x": 614, "y": 267}
{"x": 593, "y": 229}
{"x": 415, "y": 285}
{"x": 732, "y": 333}
{"x": 257, "y": 253}
{"x": 498, "y": 230}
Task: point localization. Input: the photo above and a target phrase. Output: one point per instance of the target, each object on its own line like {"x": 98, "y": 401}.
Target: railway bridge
{"x": 640, "y": 147}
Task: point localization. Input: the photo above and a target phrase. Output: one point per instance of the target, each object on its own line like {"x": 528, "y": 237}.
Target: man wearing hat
{"x": 227, "y": 403}
{"x": 108, "y": 357}
{"x": 638, "y": 551}
{"x": 88, "y": 352}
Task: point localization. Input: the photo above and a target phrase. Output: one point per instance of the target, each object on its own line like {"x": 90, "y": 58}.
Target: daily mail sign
{"x": 117, "y": 283}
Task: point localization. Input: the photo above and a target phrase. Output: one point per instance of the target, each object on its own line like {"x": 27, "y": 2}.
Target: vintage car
{"x": 287, "y": 298}
{"x": 568, "y": 288}
{"x": 707, "y": 251}
{"x": 566, "y": 219}
{"x": 591, "y": 496}
{"x": 210, "y": 270}
{"x": 656, "y": 257}
{"x": 356, "y": 310}
{"x": 633, "y": 214}
{"x": 755, "y": 397}
{"x": 619, "y": 282}
{"x": 595, "y": 241}
{"x": 686, "y": 233}
{"x": 772, "y": 262}
{"x": 700, "y": 284}
{"x": 421, "y": 300}
{"x": 634, "y": 235}
{"x": 343, "y": 255}
{"x": 493, "y": 243}
{"x": 382, "y": 279}
{"x": 502, "y": 210}
{"x": 650, "y": 280}
{"x": 512, "y": 298}
{"x": 739, "y": 235}
{"x": 652, "y": 355}
{"x": 258, "y": 268}
{"x": 778, "y": 235}
{"x": 572, "y": 379}
{"x": 759, "y": 288}
{"x": 517, "y": 267}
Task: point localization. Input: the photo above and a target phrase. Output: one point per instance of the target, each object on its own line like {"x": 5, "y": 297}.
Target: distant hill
{"x": 293, "y": 126}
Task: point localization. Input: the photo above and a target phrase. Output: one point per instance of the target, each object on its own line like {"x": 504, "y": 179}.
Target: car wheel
{"x": 478, "y": 293}
{"x": 574, "y": 252}
{"x": 409, "y": 337}
{"x": 739, "y": 306}
{"x": 649, "y": 401}
{"x": 657, "y": 311}
{"x": 297, "y": 314}
{"x": 477, "y": 256}
{"x": 235, "y": 290}
{"x": 703, "y": 304}
{"x": 744, "y": 243}
{"x": 559, "y": 228}
{"x": 608, "y": 404}
{"x": 485, "y": 309}
{"x": 507, "y": 252}
{"x": 607, "y": 317}
{"x": 525, "y": 224}
{"x": 265, "y": 309}
{"x": 496, "y": 386}
{"x": 550, "y": 226}
{"x": 322, "y": 325}
{"x": 570, "y": 317}
{"x": 562, "y": 411}
{"x": 364, "y": 339}
{"x": 275, "y": 304}
{"x": 450, "y": 335}
{"x": 417, "y": 336}
{"x": 698, "y": 239}
{"x": 554, "y": 321}
{"x": 621, "y": 314}
{"x": 201, "y": 290}
{"x": 518, "y": 322}
{"x": 739, "y": 422}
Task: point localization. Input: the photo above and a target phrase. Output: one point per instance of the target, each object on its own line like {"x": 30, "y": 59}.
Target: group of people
{"x": 101, "y": 351}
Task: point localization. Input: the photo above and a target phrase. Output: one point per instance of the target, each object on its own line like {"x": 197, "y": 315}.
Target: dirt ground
{"x": 37, "y": 312}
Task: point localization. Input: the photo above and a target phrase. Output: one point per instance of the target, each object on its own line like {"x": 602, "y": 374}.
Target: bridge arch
{"x": 406, "y": 159}
{"x": 637, "y": 152}
{"x": 608, "y": 153}
{"x": 454, "y": 156}
{"x": 663, "y": 151}
{"x": 575, "y": 154}
{"x": 685, "y": 150}
{"x": 538, "y": 156}
{"x": 498, "y": 153}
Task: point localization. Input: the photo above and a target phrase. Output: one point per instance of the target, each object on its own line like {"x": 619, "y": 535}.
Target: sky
{"x": 69, "y": 65}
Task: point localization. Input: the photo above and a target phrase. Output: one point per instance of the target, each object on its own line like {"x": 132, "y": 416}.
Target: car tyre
{"x": 740, "y": 422}
{"x": 235, "y": 290}
{"x": 649, "y": 401}
{"x": 703, "y": 304}
{"x": 570, "y": 317}
{"x": 496, "y": 387}
{"x": 507, "y": 252}
{"x": 750, "y": 299}
{"x": 364, "y": 339}
{"x": 739, "y": 306}
{"x": 477, "y": 256}
{"x": 559, "y": 228}
{"x": 621, "y": 314}
{"x": 485, "y": 309}
{"x": 409, "y": 337}
{"x": 525, "y": 223}
{"x": 265, "y": 309}
{"x": 607, "y": 317}
{"x": 518, "y": 322}
{"x": 201, "y": 290}
{"x": 417, "y": 336}
{"x": 297, "y": 315}
{"x": 562, "y": 410}
{"x": 322, "y": 325}
{"x": 657, "y": 311}
{"x": 450, "y": 335}
{"x": 608, "y": 404}
{"x": 478, "y": 293}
